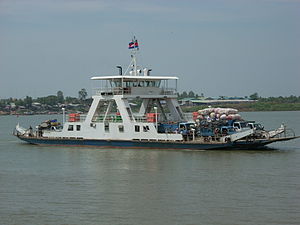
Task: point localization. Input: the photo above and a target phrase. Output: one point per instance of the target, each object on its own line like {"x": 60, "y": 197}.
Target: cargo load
{"x": 213, "y": 114}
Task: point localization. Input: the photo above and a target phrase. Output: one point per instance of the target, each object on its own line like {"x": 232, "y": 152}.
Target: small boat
{"x": 139, "y": 110}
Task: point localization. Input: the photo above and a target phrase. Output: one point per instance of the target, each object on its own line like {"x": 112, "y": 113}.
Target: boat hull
{"x": 146, "y": 144}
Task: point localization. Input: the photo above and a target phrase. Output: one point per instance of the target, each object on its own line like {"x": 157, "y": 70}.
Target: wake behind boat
{"x": 138, "y": 110}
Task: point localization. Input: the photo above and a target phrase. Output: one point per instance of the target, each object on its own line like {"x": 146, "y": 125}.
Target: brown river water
{"x": 85, "y": 186}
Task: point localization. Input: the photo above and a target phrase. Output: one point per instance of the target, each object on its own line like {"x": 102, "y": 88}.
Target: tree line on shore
{"x": 254, "y": 96}
{"x": 50, "y": 102}
{"x": 56, "y": 102}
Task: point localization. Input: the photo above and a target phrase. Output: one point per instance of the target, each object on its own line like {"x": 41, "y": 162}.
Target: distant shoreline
{"x": 251, "y": 107}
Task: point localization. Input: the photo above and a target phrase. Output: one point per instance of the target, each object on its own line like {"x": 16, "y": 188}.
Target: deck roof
{"x": 134, "y": 78}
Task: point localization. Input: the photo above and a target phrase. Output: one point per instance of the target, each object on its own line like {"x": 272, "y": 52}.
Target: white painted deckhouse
{"x": 114, "y": 113}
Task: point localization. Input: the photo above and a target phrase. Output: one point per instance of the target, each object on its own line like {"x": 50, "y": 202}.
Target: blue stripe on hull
{"x": 125, "y": 144}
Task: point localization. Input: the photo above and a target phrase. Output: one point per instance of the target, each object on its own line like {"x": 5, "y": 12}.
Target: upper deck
{"x": 137, "y": 85}
{"x": 131, "y": 78}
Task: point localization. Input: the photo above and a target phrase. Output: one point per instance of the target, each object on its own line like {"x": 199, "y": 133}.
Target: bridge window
{"x": 121, "y": 128}
{"x": 146, "y": 128}
{"x": 137, "y": 128}
{"x": 116, "y": 84}
{"x": 70, "y": 128}
{"x": 106, "y": 127}
{"x": 78, "y": 127}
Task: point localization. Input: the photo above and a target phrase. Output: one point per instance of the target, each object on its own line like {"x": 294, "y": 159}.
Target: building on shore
{"x": 213, "y": 101}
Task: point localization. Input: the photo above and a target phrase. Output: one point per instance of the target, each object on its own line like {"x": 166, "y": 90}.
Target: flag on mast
{"x": 136, "y": 44}
{"x": 133, "y": 44}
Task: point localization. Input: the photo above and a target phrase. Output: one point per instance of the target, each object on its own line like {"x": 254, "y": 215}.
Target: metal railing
{"x": 109, "y": 118}
{"x": 169, "y": 91}
{"x": 287, "y": 133}
{"x": 127, "y": 91}
{"x": 142, "y": 119}
{"x": 118, "y": 118}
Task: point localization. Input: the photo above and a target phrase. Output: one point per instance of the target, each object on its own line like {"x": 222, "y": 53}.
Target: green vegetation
{"x": 48, "y": 104}
{"x": 291, "y": 103}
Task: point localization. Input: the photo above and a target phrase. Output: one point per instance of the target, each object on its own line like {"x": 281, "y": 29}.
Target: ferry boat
{"x": 139, "y": 110}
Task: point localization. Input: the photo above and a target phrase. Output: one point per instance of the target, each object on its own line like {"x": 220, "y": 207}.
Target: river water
{"x": 76, "y": 186}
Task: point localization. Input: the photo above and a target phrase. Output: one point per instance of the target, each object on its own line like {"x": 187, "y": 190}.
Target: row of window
{"x": 137, "y": 84}
{"x": 137, "y": 128}
{"x": 121, "y": 128}
{"x": 106, "y": 128}
{"x": 71, "y": 127}
{"x": 145, "y": 128}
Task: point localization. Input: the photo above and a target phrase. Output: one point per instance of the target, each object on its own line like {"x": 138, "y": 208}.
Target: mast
{"x": 134, "y": 61}
{"x": 134, "y": 46}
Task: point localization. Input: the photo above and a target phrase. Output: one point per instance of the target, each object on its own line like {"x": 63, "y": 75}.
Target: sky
{"x": 215, "y": 47}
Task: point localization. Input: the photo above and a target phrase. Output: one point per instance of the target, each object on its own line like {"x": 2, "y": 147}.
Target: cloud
{"x": 21, "y": 7}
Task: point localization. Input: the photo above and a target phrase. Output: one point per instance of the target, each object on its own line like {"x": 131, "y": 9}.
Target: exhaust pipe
{"x": 120, "y": 69}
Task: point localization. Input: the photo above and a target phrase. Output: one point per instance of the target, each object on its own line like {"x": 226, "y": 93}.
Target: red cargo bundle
{"x": 195, "y": 115}
{"x": 151, "y": 117}
{"x": 74, "y": 117}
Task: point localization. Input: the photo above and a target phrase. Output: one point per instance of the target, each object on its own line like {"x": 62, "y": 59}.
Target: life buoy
{"x": 217, "y": 130}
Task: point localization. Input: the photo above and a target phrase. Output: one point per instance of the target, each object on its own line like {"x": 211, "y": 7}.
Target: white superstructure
{"x": 128, "y": 107}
